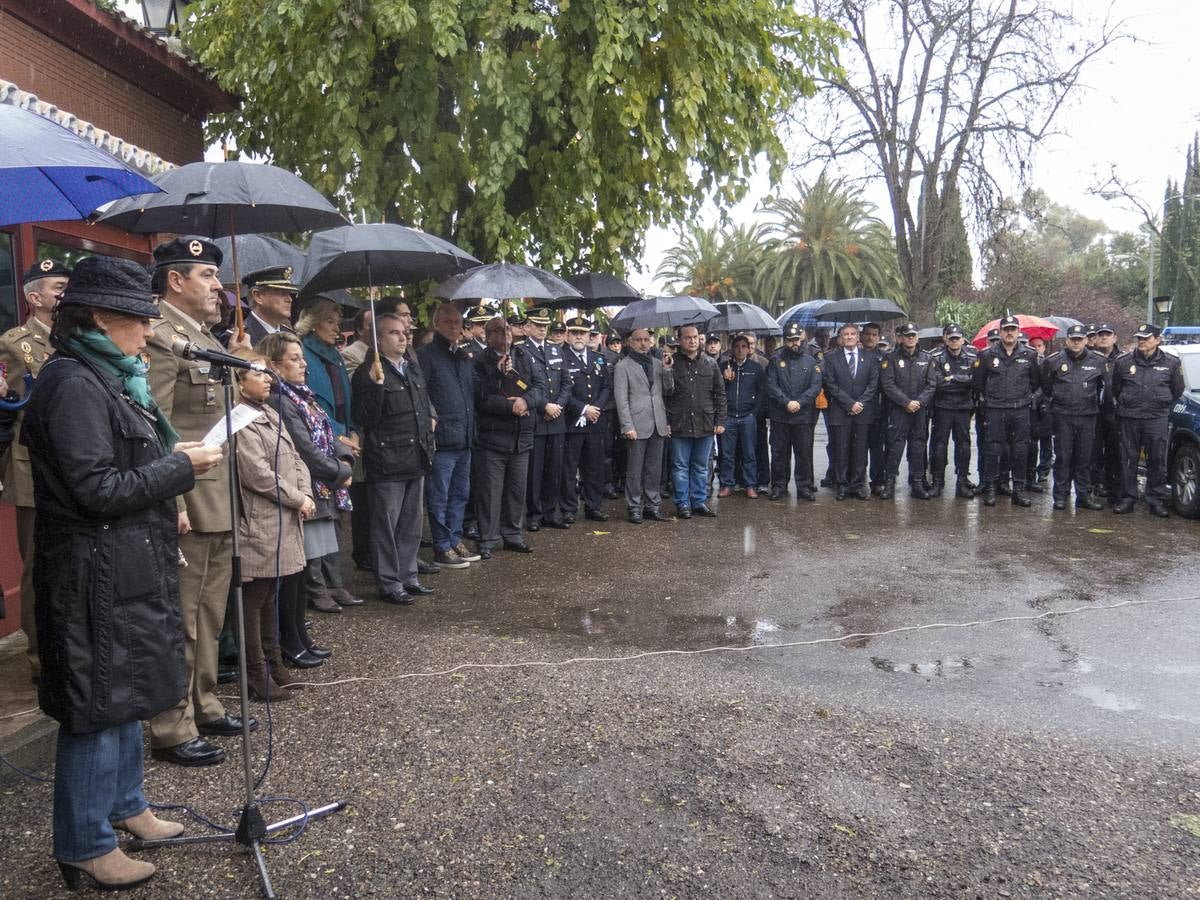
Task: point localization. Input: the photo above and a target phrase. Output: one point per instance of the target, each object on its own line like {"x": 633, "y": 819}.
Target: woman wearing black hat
{"x": 106, "y": 467}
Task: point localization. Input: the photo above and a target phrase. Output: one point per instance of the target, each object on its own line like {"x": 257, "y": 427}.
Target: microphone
{"x": 188, "y": 350}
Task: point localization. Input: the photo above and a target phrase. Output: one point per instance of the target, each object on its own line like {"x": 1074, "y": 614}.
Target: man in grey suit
{"x": 639, "y": 384}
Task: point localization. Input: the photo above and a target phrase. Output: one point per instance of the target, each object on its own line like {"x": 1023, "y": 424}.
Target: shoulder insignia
{"x": 883, "y": 365}
{"x": 995, "y": 362}
{"x": 1133, "y": 370}
{"x": 946, "y": 366}
{"x": 179, "y": 328}
{"x": 817, "y": 369}
{"x": 976, "y": 363}
{"x": 1064, "y": 367}
{"x": 26, "y": 347}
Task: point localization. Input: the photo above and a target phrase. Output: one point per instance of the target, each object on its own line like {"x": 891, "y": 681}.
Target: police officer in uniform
{"x": 909, "y": 381}
{"x": 473, "y": 347}
{"x": 1006, "y": 375}
{"x": 793, "y": 382}
{"x": 1146, "y": 383}
{"x": 614, "y": 447}
{"x": 22, "y": 351}
{"x": 272, "y": 293}
{"x": 185, "y": 278}
{"x": 953, "y": 401}
{"x": 1106, "y": 451}
{"x": 1073, "y": 380}
{"x": 587, "y": 424}
{"x": 544, "y": 497}
{"x": 872, "y": 341}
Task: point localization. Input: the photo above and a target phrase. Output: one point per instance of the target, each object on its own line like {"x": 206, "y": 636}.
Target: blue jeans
{"x": 739, "y": 431}
{"x": 97, "y": 781}
{"x": 447, "y": 488}
{"x": 689, "y": 470}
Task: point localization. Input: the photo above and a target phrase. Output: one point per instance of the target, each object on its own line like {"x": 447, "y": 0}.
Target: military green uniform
{"x": 193, "y": 402}
{"x": 23, "y": 349}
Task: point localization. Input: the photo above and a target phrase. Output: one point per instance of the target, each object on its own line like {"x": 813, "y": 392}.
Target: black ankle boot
{"x": 889, "y": 489}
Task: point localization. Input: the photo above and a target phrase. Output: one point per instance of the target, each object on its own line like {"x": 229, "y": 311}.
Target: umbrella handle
{"x": 377, "y": 365}
{"x": 13, "y": 405}
{"x": 238, "y": 318}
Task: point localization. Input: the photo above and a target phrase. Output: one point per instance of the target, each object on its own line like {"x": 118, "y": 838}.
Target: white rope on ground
{"x": 547, "y": 664}
{"x": 17, "y": 715}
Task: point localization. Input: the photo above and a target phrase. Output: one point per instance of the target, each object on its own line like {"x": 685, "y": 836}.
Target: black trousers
{"x": 501, "y": 496}
{"x": 980, "y": 441}
{"x": 1106, "y": 456}
{"x": 949, "y": 423}
{"x": 877, "y": 447}
{"x": 790, "y": 441}
{"x": 1040, "y": 455}
{"x": 848, "y": 443}
{"x": 1007, "y": 434}
{"x": 761, "y": 458}
{"x": 583, "y": 468}
{"x": 544, "y": 497}
{"x": 909, "y": 430}
{"x": 471, "y": 511}
{"x": 1149, "y": 435}
{"x": 1073, "y": 439}
{"x": 360, "y": 524}
{"x": 615, "y": 451}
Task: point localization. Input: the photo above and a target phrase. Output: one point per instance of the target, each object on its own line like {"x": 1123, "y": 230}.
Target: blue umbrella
{"x": 48, "y": 173}
{"x": 805, "y": 314}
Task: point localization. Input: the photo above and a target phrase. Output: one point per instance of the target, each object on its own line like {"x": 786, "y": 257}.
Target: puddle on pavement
{"x": 938, "y": 668}
{"x": 1106, "y": 699}
{"x": 688, "y": 632}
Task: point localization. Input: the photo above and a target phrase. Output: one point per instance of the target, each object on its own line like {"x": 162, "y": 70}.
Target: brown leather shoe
{"x": 324, "y": 603}
{"x": 726, "y": 492}
{"x": 112, "y": 871}
{"x": 343, "y": 597}
{"x": 751, "y": 493}
{"x": 149, "y": 827}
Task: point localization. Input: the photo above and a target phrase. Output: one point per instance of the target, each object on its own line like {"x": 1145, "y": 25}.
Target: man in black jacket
{"x": 953, "y": 401}
{"x": 908, "y": 380}
{"x": 850, "y": 377}
{"x": 398, "y": 451}
{"x": 1146, "y": 383}
{"x": 695, "y": 412}
{"x": 1006, "y": 375}
{"x": 793, "y": 382}
{"x": 508, "y": 388}
{"x": 544, "y": 493}
{"x": 1073, "y": 380}
{"x": 745, "y": 396}
{"x": 586, "y": 424}
{"x": 1106, "y": 451}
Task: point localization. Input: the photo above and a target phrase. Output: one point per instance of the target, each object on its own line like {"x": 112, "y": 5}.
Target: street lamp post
{"x": 1163, "y": 304}
{"x": 162, "y": 16}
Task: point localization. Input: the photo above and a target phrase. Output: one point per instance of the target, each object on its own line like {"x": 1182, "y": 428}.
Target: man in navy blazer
{"x": 851, "y": 383}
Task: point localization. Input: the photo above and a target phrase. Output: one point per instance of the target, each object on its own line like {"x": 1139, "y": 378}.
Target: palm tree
{"x": 826, "y": 244}
{"x": 714, "y": 263}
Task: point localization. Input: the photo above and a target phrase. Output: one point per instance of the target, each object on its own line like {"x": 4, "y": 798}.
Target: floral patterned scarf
{"x": 321, "y": 433}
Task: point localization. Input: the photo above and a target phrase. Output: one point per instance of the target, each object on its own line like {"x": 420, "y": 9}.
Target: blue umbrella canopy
{"x": 664, "y": 312}
{"x": 804, "y": 314}
{"x": 48, "y": 173}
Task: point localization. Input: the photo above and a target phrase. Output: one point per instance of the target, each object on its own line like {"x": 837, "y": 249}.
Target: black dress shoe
{"x": 777, "y": 494}
{"x": 705, "y": 510}
{"x": 569, "y": 519}
{"x": 682, "y": 512}
{"x": 1019, "y": 499}
{"x": 1088, "y": 503}
{"x": 417, "y": 589}
{"x": 826, "y": 481}
{"x": 227, "y": 674}
{"x": 397, "y": 598}
{"x": 1059, "y": 504}
{"x": 226, "y": 726}
{"x": 533, "y": 526}
{"x": 196, "y": 752}
{"x": 1124, "y": 505}
{"x": 635, "y": 518}
{"x": 425, "y": 568}
{"x": 363, "y": 565}
{"x": 560, "y": 524}
{"x": 517, "y": 547}
{"x": 471, "y": 534}
{"x": 318, "y": 651}
{"x": 610, "y": 494}
{"x": 841, "y": 494}
{"x": 1157, "y": 509}
{"x": 1034, "y": 487}
{"x": 596, "y": 516}
{"x": 806, "y": 494}
{"x": 304, "y": 660}
{"x": 485, "y": 554}
{"x": 863, "y": 493}
{"x": 654, "y": 515}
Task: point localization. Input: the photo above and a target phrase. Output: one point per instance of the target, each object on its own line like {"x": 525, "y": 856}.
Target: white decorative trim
{"x": 143, "y": 160}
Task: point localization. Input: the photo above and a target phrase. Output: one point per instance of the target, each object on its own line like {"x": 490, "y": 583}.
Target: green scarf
{"x": 96, "y": 348}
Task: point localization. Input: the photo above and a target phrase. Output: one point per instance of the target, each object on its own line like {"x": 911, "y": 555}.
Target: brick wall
{"x": 41, "y": 65}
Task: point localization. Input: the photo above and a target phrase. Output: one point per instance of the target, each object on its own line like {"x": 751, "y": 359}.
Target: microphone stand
{"x": 252, "y": 828}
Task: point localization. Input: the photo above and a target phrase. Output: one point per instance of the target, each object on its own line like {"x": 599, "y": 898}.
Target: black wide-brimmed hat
{"x": 108, "y": 282}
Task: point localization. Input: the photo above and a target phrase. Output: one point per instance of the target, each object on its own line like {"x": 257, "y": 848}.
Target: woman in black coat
{"x": 106, "y": 468}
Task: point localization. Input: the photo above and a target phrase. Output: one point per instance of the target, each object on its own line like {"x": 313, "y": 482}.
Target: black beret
{"x": 187, "y": 250}
{"x": 108, "y": 282}
{"x": 47, "y": 268}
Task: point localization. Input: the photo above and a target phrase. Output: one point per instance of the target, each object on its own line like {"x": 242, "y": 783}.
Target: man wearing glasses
{"x": 953, "y": 401}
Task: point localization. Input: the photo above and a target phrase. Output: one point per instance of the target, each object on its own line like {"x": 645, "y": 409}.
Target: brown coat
{"x": 23, "y": 349}
{"x": 259, "y": 527}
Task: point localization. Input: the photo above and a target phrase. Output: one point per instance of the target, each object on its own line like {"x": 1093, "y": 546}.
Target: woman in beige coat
{"x": 275, "y": 497}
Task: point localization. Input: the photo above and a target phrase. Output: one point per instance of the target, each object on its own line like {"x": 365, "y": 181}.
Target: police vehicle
{"x": 1183, "y": 453}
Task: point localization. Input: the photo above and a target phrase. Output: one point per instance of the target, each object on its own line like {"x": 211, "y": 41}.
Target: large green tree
{"x": 557, "y": 132}
{"x": 715, "y": 263}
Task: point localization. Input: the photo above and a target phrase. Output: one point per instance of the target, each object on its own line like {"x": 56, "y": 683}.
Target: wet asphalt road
{"x": 1025, "y": 758}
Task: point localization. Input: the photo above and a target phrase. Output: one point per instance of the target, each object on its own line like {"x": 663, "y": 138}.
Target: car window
{"x": 1191, "y": 370}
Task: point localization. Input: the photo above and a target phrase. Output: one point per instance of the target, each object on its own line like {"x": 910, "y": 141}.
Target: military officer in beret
{"x": 587, "y": 424}
{"x": 186, "y": 280}
{"x": 953, "y": 400}
{"x": 1146, "y": 383}
{"x": 272, "y": 293}
{"x": 545, "y": 485}
{"x": 1073, "y": 381}
{"x": 22, "y": 351}
{"x": 908, "y": 381}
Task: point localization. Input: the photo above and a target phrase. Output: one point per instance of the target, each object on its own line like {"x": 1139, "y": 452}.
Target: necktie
{"x": 853, "y": 364}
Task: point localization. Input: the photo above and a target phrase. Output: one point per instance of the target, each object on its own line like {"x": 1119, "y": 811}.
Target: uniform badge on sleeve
{"x": 1064, "y": 367}
{"x": 995, "y": 362}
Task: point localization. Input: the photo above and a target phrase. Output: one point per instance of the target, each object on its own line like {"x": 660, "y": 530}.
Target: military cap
{"x": 671, "y": 341}
{"x": 713, "y": 339}
{"x": 1104, "y": 328}
{"x": 1023, "y": 337}
{"x": 273, "y": 277}
{"x": 478, "y": 315}
{"x": 595, "y": 329}
{"x": 1077, "y": 331}
{"x": 578, "y": 323}
{"x": 1009, "y": 322}
{"x": 187, "y": 250}
{"x": 516, "y": 319}
{"x": 1091, "y": 330}
{"x": 108, "y": 282}
{"x": 47, "y": 268}
{"x": 952, "y": 330}
{"x": 993, "y": 334}
{"x": 1148, "y": 330}
{"x": 558, "y": 328}
{"x": 613, "y": 338}
{"x": 884, "y": 342}
{"x": 793, "y": 329}
{"x": 539, "y": 315}
{"x": 906, "y": 329}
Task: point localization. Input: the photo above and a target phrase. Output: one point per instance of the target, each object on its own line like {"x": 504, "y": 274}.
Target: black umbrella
{"x": 226, "y": 198}
{"x": 662, "y": 312}
{"x": 598, "y": 289}
{"x": 736, "y": 316}
{"x": 366, "y": 255}
{"x": 505, "y": 281}
{"x": 858, "y": 309}
{"x": 258, "y": 251}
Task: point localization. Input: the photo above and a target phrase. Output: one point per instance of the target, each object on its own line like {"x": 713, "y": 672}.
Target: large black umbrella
{"x": 859, "y": 309}
{"x": 505, "y": 281}
{"x": 663, "y": 312}
{"x": 736, "y": 316}
{"x": 598, "y": 289}
{"x": 258, "y": 251}
{"x": 48, "y": 173}
{"x": 226, "y": 198}
{"x": 367, "y": 255}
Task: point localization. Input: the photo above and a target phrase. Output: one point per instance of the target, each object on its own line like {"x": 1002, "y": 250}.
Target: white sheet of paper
{"x": 242, "y": 416}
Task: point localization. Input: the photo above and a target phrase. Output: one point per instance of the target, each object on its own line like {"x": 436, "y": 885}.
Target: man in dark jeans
{"x": 745, "y": 397}
{"x": 696, "y": 412}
